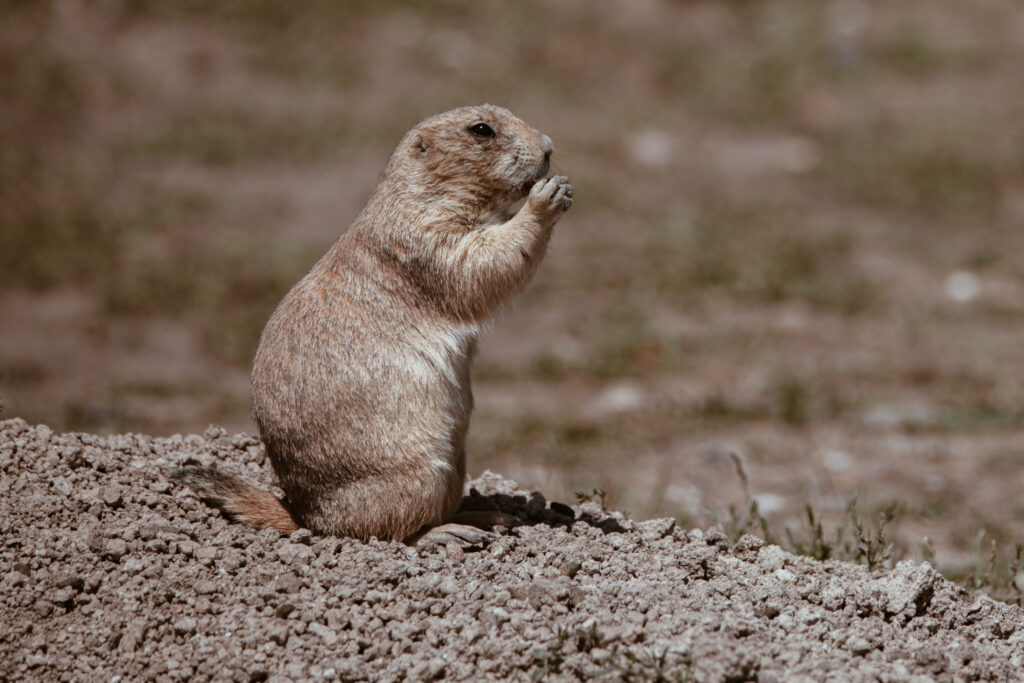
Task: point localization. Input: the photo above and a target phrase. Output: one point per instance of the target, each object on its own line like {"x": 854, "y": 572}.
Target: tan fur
{"x": 361, "y": 383}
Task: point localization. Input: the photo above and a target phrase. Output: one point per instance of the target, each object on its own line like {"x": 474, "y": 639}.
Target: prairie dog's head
{"x": 484, "y": 151}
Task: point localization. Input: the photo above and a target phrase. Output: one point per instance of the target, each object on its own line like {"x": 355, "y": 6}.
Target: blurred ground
{"x": 797, "y": 236}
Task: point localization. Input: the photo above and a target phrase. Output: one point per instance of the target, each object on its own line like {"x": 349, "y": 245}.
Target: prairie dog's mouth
{"x": 509, "y": 203}
{"x": 525, "y": 188}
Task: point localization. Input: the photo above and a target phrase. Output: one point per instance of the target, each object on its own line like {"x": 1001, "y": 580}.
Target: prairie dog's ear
{"x": 419, "y": 144}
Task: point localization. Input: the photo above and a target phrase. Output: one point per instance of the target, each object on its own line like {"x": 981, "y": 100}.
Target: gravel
{"x": 107, "y": 572}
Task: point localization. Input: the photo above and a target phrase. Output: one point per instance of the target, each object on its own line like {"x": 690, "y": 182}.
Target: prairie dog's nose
{"x": 549, "y": 146}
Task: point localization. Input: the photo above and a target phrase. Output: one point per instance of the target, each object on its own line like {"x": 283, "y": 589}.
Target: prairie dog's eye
{"x": 481, "y": 130}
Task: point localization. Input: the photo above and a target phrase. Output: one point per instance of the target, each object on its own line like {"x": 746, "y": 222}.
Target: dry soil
{"x": 108, "y": 572}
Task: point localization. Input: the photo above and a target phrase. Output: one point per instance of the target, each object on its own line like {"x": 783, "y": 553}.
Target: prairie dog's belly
{"x": 436, "y": 369}
{"x": 441, "y": 354}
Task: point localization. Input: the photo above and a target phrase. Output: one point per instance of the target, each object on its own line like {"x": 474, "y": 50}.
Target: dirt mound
{"x": 109, "y": 572}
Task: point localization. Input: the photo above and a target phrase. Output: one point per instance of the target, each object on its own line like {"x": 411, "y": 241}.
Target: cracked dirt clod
{"x": 159, "y": 586}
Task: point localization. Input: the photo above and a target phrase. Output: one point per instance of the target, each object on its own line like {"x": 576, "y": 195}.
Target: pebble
{"x": 115, "y": 549}
{"x": 111, "y": 495}
{"x": 326, "y": 633}
{"x": 185, "y": 626}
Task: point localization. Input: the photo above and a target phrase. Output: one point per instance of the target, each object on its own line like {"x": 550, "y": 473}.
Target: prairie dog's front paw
{"x": 551, "y": 196}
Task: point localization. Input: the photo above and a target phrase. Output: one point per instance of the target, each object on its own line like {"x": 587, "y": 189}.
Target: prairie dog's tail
{"x": 239, "y": 501}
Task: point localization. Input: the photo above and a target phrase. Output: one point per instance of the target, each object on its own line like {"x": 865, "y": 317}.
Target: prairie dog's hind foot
{"x": 461, "y": 535}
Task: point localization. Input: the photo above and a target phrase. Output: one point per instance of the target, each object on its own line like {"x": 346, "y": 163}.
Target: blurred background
{"x": 798, "y": 238}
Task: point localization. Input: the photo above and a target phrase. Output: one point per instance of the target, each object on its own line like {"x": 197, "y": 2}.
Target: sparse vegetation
{"x": 598, "y": 495}
{"x": 871, "y": 544}
{"x": 658, "y": 666}
{"x": 993, "y": 573}
{"x": 745, "y": 520}
{"x": 622, "y": 663}
{"x": 550, "y": 658}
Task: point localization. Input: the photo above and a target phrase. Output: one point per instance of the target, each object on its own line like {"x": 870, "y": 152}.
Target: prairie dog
{"x": 361, "y": 382}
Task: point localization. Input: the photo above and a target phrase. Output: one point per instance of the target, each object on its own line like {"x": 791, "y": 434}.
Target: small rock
{"x": 570, "y": 568}
{"x": 498, "y": 614}
{"x": 303, "y": 536}
{"x": 326, "y": 633}
{"x": 785, "y": 575}
{"x": 133, "y": 565}
{"x": 73, "y": 457}
{"x": 293, "y": 553}
{"x": 33, "y": 661}
{"x": 654, "y": 529}
{"x": 833, "y": 596}
{"x": 429, "y": 670}
{"x": 185, "y": 626}
{"x": 213, "y": 432}
{"x": 202, "y": 553}
{"x": 111, "y": 495}
{"x": 771, "y": 557}
{"x": 44, "y": 434}
{"x": 289, "y": 583}
{"x": 115, "y": 549}
{"x": 748, "y": 547}
{"x": 279, "y": 632}
{"x": 808, "y": 616}
{"x": 71, "y": 579}
{"x": 716, "y": 537}
{"x": 859, "y": 646}
{"x": 962, "y": 286}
